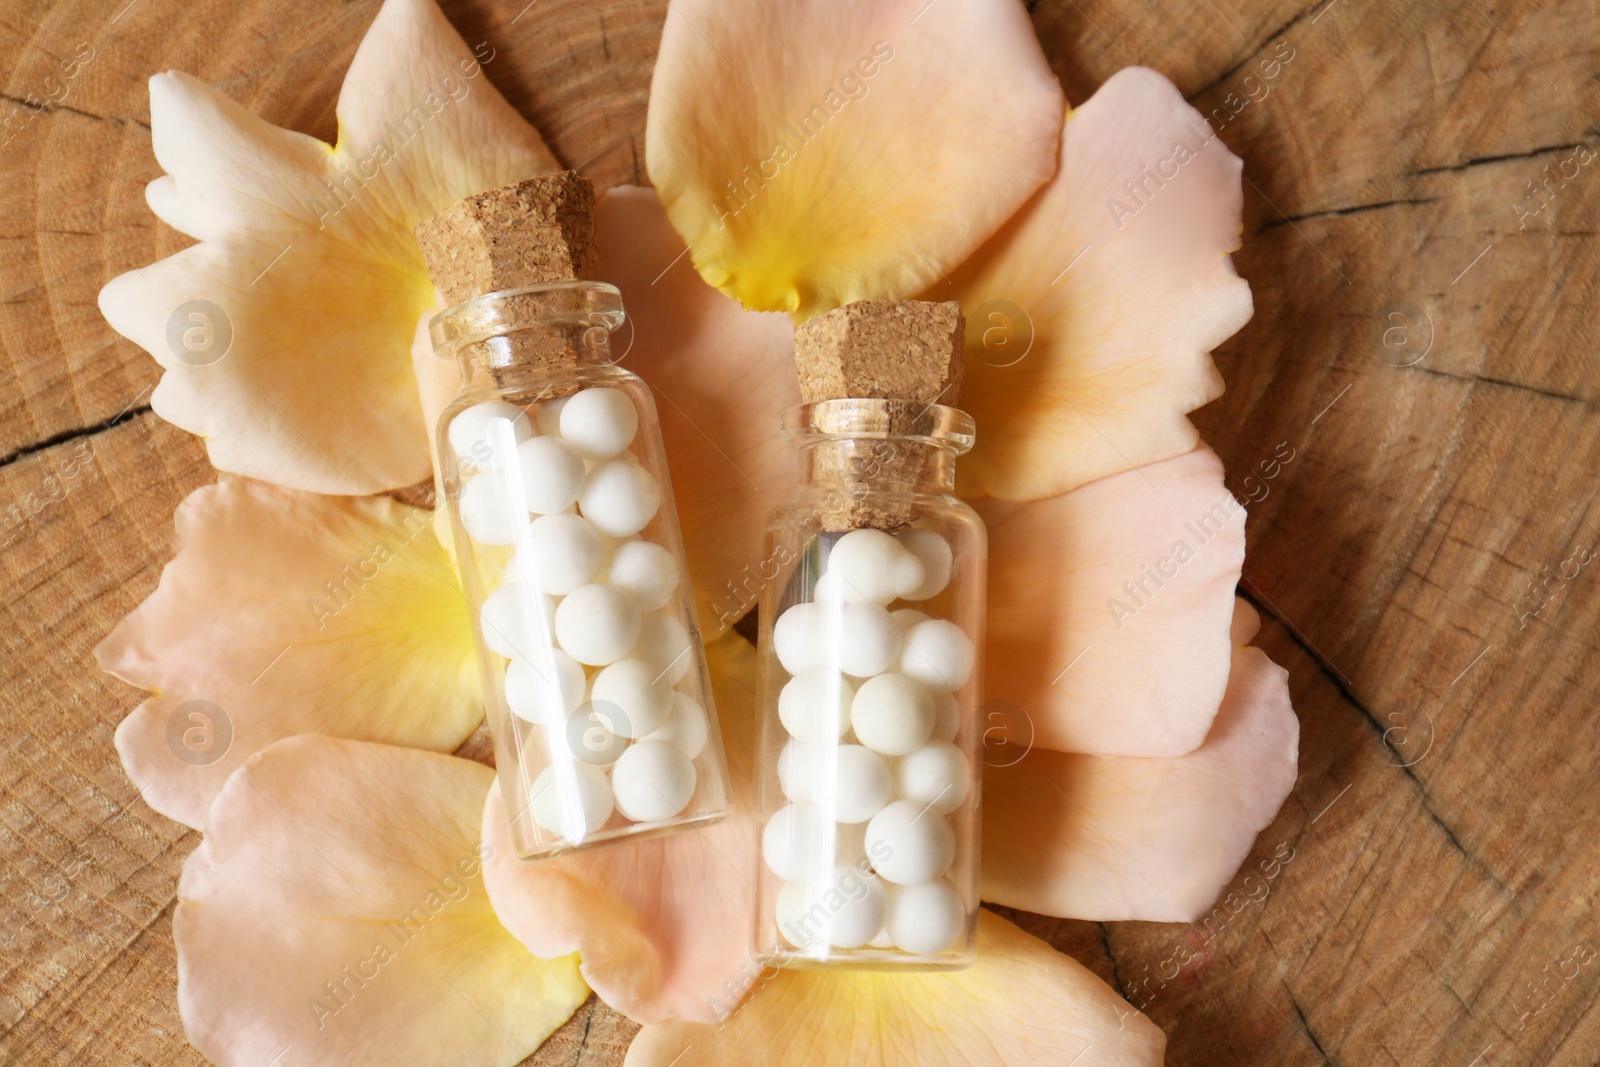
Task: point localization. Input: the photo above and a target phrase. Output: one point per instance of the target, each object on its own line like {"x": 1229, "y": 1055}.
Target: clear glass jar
{"x": 570, "y": 555}
{"x": 871, "y": 640}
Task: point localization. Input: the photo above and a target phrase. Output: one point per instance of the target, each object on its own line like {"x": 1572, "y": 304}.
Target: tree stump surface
{"x": 1422, "y": 249}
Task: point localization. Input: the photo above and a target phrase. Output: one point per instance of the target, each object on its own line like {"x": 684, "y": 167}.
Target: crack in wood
{"x": 126, "y": 415}
{"x": 1353, "y": 209}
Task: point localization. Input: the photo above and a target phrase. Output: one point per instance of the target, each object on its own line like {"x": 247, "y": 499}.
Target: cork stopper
{"x": 532, "y": 233}
{"x": 882, "y": 349}
{"x": 879, "y": 350}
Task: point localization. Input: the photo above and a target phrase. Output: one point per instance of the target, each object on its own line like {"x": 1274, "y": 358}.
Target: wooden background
{"x": 1424, "y": 344}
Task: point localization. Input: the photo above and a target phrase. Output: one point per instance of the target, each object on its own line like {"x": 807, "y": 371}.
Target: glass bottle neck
{"x": 859, "y": 448}
{"x": 523, "y": 336}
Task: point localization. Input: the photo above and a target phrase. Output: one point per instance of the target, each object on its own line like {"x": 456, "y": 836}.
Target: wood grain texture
{"x": 1422, "y": 342}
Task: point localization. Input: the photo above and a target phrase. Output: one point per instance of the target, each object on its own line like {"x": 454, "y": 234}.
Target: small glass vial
{"x": 871, "y": 638}
{"x": 569, "y": 551}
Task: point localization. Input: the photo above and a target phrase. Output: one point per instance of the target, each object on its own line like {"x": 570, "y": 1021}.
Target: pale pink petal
{"x": 287, "y": 613}
{"x": 1121, "y": 305}
{"x": 1119, "y": 837}
{"x": 663, "y": 925}
{"x": 1022, "y": 1004}
{"x": 335, "y": 914}
{"x": 722, "y": 377}
{"x": 296, "y": 368}
{"x": 1109, "y": 609}
{"x": 819, "y": 152}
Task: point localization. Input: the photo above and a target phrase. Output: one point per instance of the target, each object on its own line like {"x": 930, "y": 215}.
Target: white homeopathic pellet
{"x": 797, "y": 774}
{"x": 946, "y": 717}
{"x": 653, "y": 780}
{"x": 559, "y": 553}
{"x": 871, "y": 565}
{"x": 488, "y": 513}
{"x": 862, "y": 786}
{"x": 599, "y": 422}
{"x": 937, "y": 774}
{"x": 790, "y": 916}
{"x": 934, "y": 553}
{"x": 544, "y": 690}
{"x": 847, "y": 905}
{"x": 801, "y": 637}
{"x": 909, "y": 844}
{"x": 552, "y": 474}
{"x": 939, "y": 654}
{"x": 515, "y": 620}
{"x": 664, "y": 641}
{"x": 687, "y": 726}
{"x": 619, "y": 497}
{"x": 485, "y": 435}
{"x": 797, "y": 843}
{"x": 868, "y": 643}
{"x": 640, "y": 697}
{"x": 814, "y": 705}
{"x": 645, "y": 571}
{"x": 548, "y": 416}
{"x": 926, "y": 918}
{"x": 892, "y": 714}
{"x": 596, "y": 625}
{"x": 571, "y": 801}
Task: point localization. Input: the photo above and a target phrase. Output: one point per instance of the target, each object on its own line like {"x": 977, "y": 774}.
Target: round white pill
{"x": 552, "y": 474}
{"x": 939, "y": 654}
{"x": 892, "y": 714}
{"x": 847, "y": 905}
{"x": 646, "y": 572}
{"x": 800, "y": 637}
{"x": 599, "y": 422}
{"x": 665, "y": 642}
{"x": 596, "y": 624}
{"x": 488, "y": 513}
{"x": 515, "y": 622}
{"x": 927, "y": 918}
{"x": 559, "y": 553}
{"x": 905, "y": 618}
{"x": 620, "y": 497}
{"x": 790, "y": 915}
{"x": 937, "y": 774}
{"x": 934, "y": 553}
{"x": 946, "y": 717}
{"x": 797, "y": 769}
{"x": 868, "y": 642}
{"x": 909, "y": 844}
{"x": 548, "y": 416}
{"x": 635, "y": 695}
{"x": 687, "y": 726}
{"x": 544, "y": 690}
{"x": 797, "y": 843}
{"x": 487, "y": 434}
{"x": 814, "y": 705}
{"x": 862, "y": 786}
{"x": 590, "y": 734}
{"x": 874, "y": 567}
{"x": 571, "y": 801}
{"x": 653, "y": 780}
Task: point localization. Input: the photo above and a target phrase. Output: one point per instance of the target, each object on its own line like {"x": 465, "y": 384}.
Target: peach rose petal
{"x": 285, "y": 334}
{"x": 335, "y": 914}
{"x": 1120, "y": 837}
{"x": 869, "y": 170}
{"x": 723, "y": 377}
{"x": 1021, "y": 1004}
{"x": 287, "y": 613}
{"x": 1091, "y": 315}
{"x": 663, "y": 925}
{"x": 1110, "y": 610}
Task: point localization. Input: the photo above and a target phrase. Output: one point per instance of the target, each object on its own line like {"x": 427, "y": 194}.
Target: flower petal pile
{"x": 355, "y": 897}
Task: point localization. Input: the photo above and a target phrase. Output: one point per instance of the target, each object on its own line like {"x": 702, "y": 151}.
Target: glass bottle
{"x": 871, "y": 638}
{"x": 570, "y": 554}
